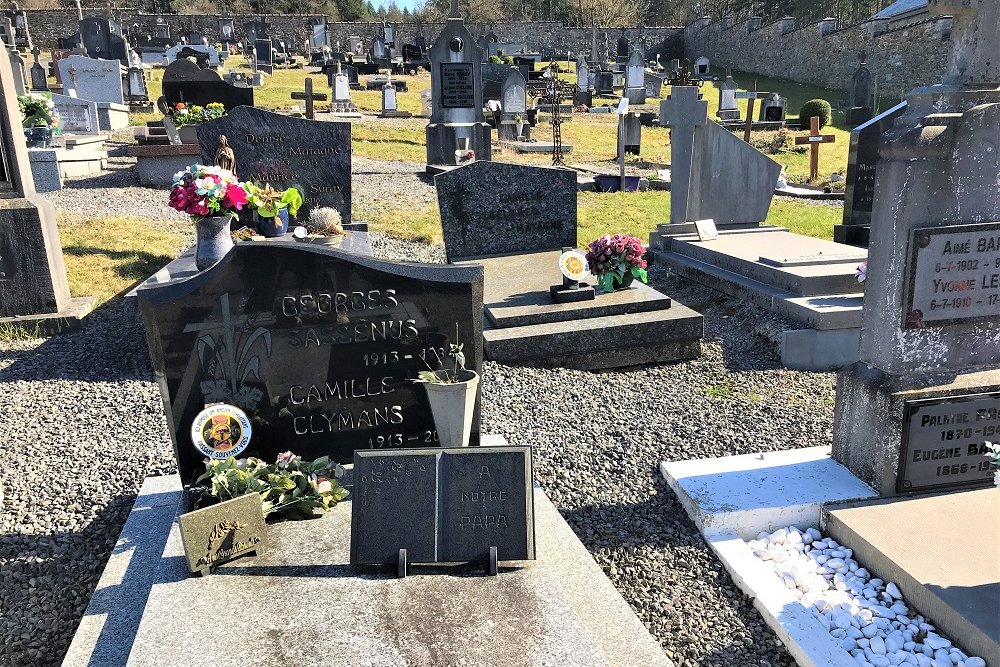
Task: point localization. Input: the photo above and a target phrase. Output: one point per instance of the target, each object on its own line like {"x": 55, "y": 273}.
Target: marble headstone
{"x": 76, "y": 116}
{"x": 492, "y": 208}
{"x": 728, "y": 107}
{"x": 92, "y": 79}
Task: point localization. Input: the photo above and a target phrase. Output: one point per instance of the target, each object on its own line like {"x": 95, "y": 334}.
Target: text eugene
{"x": 336, "y": 306}
{"x": 965, "y": 426}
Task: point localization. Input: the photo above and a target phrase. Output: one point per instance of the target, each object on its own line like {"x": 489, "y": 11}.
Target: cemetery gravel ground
{"x": 82, "y": 425}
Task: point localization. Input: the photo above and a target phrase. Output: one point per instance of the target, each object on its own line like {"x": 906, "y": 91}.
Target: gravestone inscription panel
{"x": 492, "y": 208}
{"x": 314, "y": 156}
{"x": 954, "y": 275}
{"x": 457, "y": 86}
{"x": 449, "y": 505}
{"x": 319, "y": 347}
{"x": 944, "y": 442}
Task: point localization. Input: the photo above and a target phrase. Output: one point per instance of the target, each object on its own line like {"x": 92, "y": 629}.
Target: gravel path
{"x": 83, "y": 425}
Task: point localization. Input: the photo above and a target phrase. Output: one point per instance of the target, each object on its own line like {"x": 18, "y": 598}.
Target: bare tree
{"x": 613, "y": 13}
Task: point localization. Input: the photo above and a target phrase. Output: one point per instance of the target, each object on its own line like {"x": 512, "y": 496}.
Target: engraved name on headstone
{"x": 944, "y": 442}
{"x": 954, "y": 275}
{"x": 457, "y": 86}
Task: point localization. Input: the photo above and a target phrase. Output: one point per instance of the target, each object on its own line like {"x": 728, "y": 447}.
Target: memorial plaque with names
{"x": 448, "y": 505}
{"x": 944, "y": 442}
{"x": 318, "y": 346}
{"x": 314, "y": 156}
{"x": 954, "y": 275}
{"x": 457, "y": 86}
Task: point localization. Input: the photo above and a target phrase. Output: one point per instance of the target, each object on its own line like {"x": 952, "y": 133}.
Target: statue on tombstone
{"x": 224, "y": 155}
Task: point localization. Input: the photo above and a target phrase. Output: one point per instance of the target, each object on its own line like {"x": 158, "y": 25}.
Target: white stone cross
{"x": 682, "y": 112}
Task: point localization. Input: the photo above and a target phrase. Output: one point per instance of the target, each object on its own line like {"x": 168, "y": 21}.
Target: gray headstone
{"x": 103, "y": 39}
{"x": 974, "y": 57}
{"x": 582, "y": 73}
{"x": 20, "y": 74}
{"x": 773, "y": 109}
{"x": 683, "y": 111}
{"x": 513, "y": 93}
{"x": 75, "y": 115}
{"x": 91, "y": 79}
{"x": 654, "y": 85}
{"x": 314, "y": 156}
{"x": 491, "y": 208}
{"x": 389, "y": 98}
{"x": 702, "y": 66}
{"x": 862, "y": 92}
{"x": 728, "y": 107}
{"x": 449, "y": 505}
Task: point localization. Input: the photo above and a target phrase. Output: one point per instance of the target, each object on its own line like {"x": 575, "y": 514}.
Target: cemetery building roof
{"x": 900, "y": 7}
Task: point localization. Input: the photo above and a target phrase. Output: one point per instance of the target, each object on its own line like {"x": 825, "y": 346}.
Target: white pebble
{"x": 975, "y": 662}
{"x": 892, "y": 590}
{"x": 878, "y": 645}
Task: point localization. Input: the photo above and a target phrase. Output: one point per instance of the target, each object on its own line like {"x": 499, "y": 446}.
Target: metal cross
{"x": 309, "y": 96}
{"x": 556, "y": 90}
{"x": 682, "y": 112}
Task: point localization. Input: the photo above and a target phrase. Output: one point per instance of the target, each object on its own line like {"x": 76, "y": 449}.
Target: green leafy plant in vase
{"x": 273, "y": 208}
{"x": 451, "y": 392}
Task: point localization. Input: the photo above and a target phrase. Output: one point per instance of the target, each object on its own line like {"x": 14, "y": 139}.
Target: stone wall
{"x": 902, "y": 57}
{"x": 48, "y": 25}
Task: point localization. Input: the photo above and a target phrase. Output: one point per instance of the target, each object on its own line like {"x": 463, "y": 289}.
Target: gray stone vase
{"x": 453, "y": 405}
{"x": 214, "y": 240}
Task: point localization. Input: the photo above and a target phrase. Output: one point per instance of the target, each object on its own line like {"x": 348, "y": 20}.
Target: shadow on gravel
{"x": 46, "y": 580}
{"x": 114, "y": 176}
{"x": 110, "y": 347}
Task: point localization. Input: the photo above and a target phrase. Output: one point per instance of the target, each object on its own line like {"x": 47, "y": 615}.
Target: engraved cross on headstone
{"x": 682, "y": 112}
{"x": 309, "y": 96}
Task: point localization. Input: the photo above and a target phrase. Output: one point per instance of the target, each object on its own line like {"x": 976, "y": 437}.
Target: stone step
{"x": 595, "y": 343}
{"x": 824, "y": 312}
{"x": 761, "y": 257}
{"x": 537, "y": 308}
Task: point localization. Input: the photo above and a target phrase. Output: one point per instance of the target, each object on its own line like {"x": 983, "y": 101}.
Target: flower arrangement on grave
{"x": 289, "y": 488}
{"x": 994, "y": 457}
{"x": 861, "y": 272}
{"x": 194, "y": 114}
{"x": 37, "y": 110}
{"x": 617, "y": 260}
{"x": 268, "y": 202}
{"x": 204, "y": 191}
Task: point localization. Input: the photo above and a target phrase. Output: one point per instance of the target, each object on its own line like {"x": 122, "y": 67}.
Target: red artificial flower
{"x": 235, "y": 197}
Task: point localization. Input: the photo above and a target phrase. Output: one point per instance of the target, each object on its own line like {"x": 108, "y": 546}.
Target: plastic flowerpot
{"x": 267, "y": 227}
{"x": 610, "y": 183}
{"x": 214, "y": 240}
{"x": 453, "y": 405}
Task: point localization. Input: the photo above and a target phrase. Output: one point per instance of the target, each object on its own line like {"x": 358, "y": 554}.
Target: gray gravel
{"x": 83, "y": 425}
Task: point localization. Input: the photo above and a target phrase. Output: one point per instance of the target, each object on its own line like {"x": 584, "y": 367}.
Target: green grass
{"x": 108, "y": 256}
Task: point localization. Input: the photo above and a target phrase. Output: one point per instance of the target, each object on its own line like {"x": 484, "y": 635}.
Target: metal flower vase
{"x": 214, "y": 240}
{"x": 453, "y": 405}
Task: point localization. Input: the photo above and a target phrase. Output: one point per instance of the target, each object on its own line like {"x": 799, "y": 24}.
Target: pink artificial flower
{"x": 323, "y": 485}
{"x": 284, "y": 459}
{"x": 179, "y": 199}
{"x": 235, "y": 197}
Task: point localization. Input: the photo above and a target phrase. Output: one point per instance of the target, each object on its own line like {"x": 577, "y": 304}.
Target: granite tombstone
{"x": 314, "y": 156}
{"x": 318, "y": 346}
{"x": 264, "y": 55}
{"x": 449, "y": 505}
{"x": 862, "y": 167}
{"x": 104, "y": 39}
{"x": 492, "y": 208}
{"x": 728, "y": 107}
{"x": 91, "y": 79}
{"x": 861, "y": 102}
{"x": 184, "y": 81}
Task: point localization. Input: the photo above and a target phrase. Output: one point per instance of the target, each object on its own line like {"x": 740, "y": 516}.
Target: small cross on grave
{"x": 682, "y": 112}
{"x": 751, "y": 96}
{"x": 813, "y": 140}
{"x": 309, "y": 96}
{"x": 36, "y": 52}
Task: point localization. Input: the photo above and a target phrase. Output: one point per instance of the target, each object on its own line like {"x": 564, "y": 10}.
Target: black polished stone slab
{"x": 448, "y": 505}
{"x": 492, "y": 208}
{"x": 314, "y": 156}
{"x": 184, "y": 81}
{"x": 318, "y": 346}
{"x": 944, "y": 442}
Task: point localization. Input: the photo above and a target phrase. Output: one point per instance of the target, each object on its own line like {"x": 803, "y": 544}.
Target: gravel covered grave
{"x": 82, "y": 425}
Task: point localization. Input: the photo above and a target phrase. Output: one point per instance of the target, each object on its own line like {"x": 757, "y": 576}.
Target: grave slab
{"x": 750, "y": 493}
{"x": 628, "y": 328}
{"x": 559, "y": 609}
{"x": 953, "y": 577}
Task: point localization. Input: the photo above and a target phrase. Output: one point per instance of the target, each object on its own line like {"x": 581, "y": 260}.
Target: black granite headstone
{"x": 316, "y": 345}
{"x": 457, "y": 86}
{"x": 184, "y": 81}
{"x": 265, "y": 57}
{"x": 493, "y": 208}
{"x": 862, "y": 165}
{"x": 449, "y": 505}
{"x": 314, "y": 156}
{"x": 103, "y": 38}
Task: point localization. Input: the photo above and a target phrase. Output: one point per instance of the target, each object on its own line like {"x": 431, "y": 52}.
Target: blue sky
{"x": 399, "y": 3}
